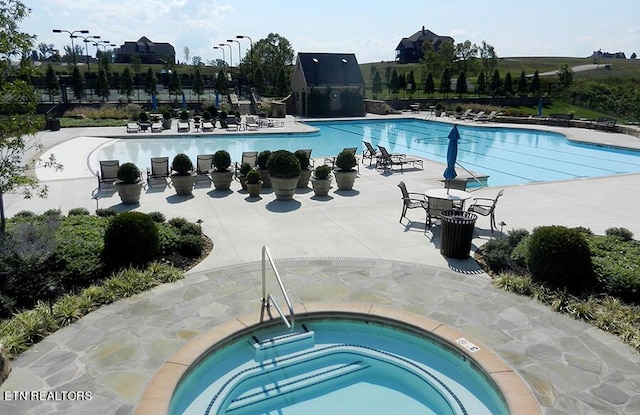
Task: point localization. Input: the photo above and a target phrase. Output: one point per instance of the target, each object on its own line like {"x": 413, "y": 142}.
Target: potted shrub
{"x": 184, "y": 115}
{"x": 305, "y": 172}
{"x": 345, "y": 173}
{"x": 183, "y": 177}
{"x": 221, "y": 175}
{"x": 253, "y": 183}
{"x": 129, "y": 183}
{"x": 166, "y": 120}
{"x": 143, "y": 121}
{"x": 284, "y": 171}
{"x": 321, "y": 181}
{"x": 245, "y": 168}
{"x": 263, "y": 156}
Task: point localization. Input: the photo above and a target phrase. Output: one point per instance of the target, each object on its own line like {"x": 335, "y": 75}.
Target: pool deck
{"x": 348, "y": 248}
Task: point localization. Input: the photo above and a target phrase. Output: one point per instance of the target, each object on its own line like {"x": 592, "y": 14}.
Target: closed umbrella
{"x": 184, "y": 101}
{"x": 154, "y": 102}
{"x": 540, "y": 103}
{"x": 452, "y": 155}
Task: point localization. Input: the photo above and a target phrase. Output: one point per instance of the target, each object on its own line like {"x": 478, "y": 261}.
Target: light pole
{"x": 104, "y": 44}
{"x": 86, "y": 48}
{"x": 239, "y": 67}
{"x": 224, "y": 59}
{"x": 250, "y": 56}
{"x": 230, "y": 54}
{"x": 73, "y": 50}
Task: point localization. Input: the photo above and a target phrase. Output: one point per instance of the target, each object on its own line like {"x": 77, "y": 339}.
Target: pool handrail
{"x": 472, "y": 175}
{"x": 268, "y": 299}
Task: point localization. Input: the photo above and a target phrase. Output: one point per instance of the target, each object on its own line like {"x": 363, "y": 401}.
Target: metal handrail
{"x": 472, "y": 175}
{"x": 267, "y": 299}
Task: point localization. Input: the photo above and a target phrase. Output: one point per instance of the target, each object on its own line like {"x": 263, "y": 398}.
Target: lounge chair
{"x": 159, "y": 169}
{"x": 607, "y": 124}
{"x": 369, "y": 153}
{"x": 156, "y": 127}
{"x": 307, "y": 151}
{"x": 204, "y": 163}
{"x": 388, "y": 160}
{"x": 108, "y": 173}
{"x": 232, "y": 125}
{"x": 485, "y": 118}
{"x": 250, "y": 157}
{"x": 412, "y": 200}
{"x": 251, "y": 123}
{"x": 436, "y": 206}
{"x": 332, "y": 160}
{"x": 133, "y": 127}
{"x": 207, "y": 126}
{"x": 184, "y": 126}
{"x": 144, "y": 125}
{"x": 465, "y": 115}
{"x": 197, "y": 123}
{"x": 486, "y": 207}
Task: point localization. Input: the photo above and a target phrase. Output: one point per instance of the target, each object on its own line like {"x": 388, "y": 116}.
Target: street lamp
{"x": 73, "y": 50}
{"x": 224, "y": 59}
{"x": 250, "y": 56}
{"x": 86, "y": 48}
{"x": 230, "y": 54}
{"x": 104, "y": 44}
{"x": 239, "y": 67}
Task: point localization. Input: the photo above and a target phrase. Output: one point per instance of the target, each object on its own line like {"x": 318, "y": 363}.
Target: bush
{"x": 166, "y": 115}
{"x": 131, "y": 239}
{"x": 128, "y": 173}
{"x": 143, "y": 117}
{"x": 322, "y": 172}
{"x": 79, "y": 211}
{"x": 559, "y": 256}
{"x": 106, "y": 213}
{"x": 616, "y": 264}
{"x": 497, "y": 255}
{"x": 303, "y": 158}
{"x": 622, "y": 233}
{"x": 346, "y": 160}
{"x": 253, "y": 177}
{"x": 282, "y": 163}
{"x": 221, "y": 160}
{"x": 245, "y": 168}
{"x": 184, "y": 115}
{"x": 157, "y": 217}
{"x": 263, "y": 156}
{"x": 191, "y": 245}
{"x": 24, "y": 214}
{"x": 178, "y": 223}
{"x": 182, "y": 164}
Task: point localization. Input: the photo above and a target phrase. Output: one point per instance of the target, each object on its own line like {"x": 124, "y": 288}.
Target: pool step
{"x": 286, "y": 343}
{"x": 258, "y": 399}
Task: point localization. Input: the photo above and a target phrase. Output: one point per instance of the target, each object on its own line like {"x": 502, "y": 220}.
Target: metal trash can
{"x": 54, "y": 124}
{"x": 457, "y": 233}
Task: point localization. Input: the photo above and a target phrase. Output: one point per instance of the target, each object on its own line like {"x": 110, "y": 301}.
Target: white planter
{"x": 129, "y": 192}
{"x": 221, "y": 179}
{"x": 183, "y": 185}
{"x": 284, "y": 187}
{"x": 321, "y": 187}
{"x": 345, "y": 179}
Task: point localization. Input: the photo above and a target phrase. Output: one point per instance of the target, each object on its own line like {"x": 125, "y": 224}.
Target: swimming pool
{"x": 337, "y": 366}
{"x": 507, "y": 155}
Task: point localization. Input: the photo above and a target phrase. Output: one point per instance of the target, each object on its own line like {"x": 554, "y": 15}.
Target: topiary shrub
{"x": 130, "y": 239}
{"x": 245, "y": 168}
{"x": 322, "y": 172}
{"x": 221, "y": 160}
{"x": 303, "y": 158}
{"x": 191, "y": 245}
{"x": 106, "y": 212}
{"x": 178, "y": 222}
{"x": 143, "y": 117}
{"x": 253, "y": 177}
{"x": 184, "y": 115}
{"x": 166, "y": 115}
{"x": 282, "y": 163}
{"x": 559, "y": 256}
{"x": 346, "y": 161}
{"x": 79, "y": 211}
{"x": 206, "y": 115}
{"x": 157, "y": 217}
{"x": 263, "y": 156}
{"x": 128, "y": 173}
{"x": 182, "y": 165}
{"x": 622, "y": 233}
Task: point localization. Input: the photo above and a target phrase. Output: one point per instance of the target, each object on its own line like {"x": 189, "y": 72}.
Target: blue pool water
{"x": 336, "y": 367}
{"x": 507, "y": 155}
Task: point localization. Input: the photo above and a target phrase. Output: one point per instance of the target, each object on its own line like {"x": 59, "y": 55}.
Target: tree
{"x": 429, "y": 85}
{"x": 198, "y": 84}
{"x": 197, "y": 61}
{"x": 18, "y": 121}
{"x": 466, "y": 53}
{"x": 221, "y": 82}
{"x": 51, "y": 84}
{"x": 402, "y": 81}
{"x": 411, "y": 83}
{"x": 69, "y": 53}
{"x": 481, "y": 83}
{"x": 488, "y": 57}
{"x": 150, "y": 82}
{"x": 445, "y": 83}
{"x": 376, "y": 84}
{"x": 126, "y": 83}
{"x": 522, "y": 84}
{"x": 446, "y": 55}
{"x": 102, "y": 86}
{"x": 46, "y": 50}
{"x": 394, "y": 83}
{"x": 282, "y": 84}
{"x": 507, "y": 85}
{"x": 77, "y": 83}
{"x": 461, "y": 84}
{"x": 495, "y": 84}
{"x": 136, "y": 63}
{"x": 187, "y": 53}
{"x": 534, "y": 87}
{"x": 565, "y": 76}
{"x": 272, "y": 54}
{"x": 175, "y": 86}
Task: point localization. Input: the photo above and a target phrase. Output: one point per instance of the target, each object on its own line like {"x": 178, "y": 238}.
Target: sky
{"x": 369, "y": 28}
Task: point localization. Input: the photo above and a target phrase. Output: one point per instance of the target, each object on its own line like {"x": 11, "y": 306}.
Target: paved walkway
{"x": 347, "y": 248}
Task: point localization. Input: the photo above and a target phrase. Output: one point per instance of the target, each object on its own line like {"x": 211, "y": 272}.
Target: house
{"x": 327, "y": 84}
{"x": 148, "y": 51}
{"x": 410, "y": 50}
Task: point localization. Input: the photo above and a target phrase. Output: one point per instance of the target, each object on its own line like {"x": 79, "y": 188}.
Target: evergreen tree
{"x": 259, "y": 81}
{"x": 281, "y": 83}
{"x": 150, "y": 82}
{"x": 221, "y": 82}
{"x": 175, "y": 86}
{"x": 77, "y": 83}
{"x": 534, "y": 87}
{"x": 481, "y": 85}
{"x": 429, "y": 85}
{"x": 461, "y": 84}
{"x": 52, "y": 86}
{"x": 402, "y": 81}
{"x": 445, "y": 83}
{"x": 394, "y": 82}
{"x": 507, "y": 85}
{"x": 198, "y": 84}
{"x": 495, "y": 84}
{"x": 126, "y": 83}
{"x": 411, "y": 83}
{"x": 522, "y": 84}
{"x": 376, "y": 85}
{"x": 102, "y": 87}
{"x": 387, "y": 76}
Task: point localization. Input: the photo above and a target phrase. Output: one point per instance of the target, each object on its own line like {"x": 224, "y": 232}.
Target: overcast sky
{"x": 369, "y": 28}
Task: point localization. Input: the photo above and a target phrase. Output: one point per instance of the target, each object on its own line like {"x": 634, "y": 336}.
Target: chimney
{"x": 423, "y": 30}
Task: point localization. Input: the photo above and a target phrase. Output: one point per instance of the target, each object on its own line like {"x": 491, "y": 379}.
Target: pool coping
{"x": 157, "y": 395}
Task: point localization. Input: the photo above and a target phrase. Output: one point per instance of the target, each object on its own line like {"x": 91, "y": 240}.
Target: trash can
{"x": 457, "y": 233}
{"x": 54, "y": 124}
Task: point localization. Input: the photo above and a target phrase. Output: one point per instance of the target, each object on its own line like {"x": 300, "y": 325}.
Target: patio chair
{"x": 388, "y": 160}
{"x": 485, "y": 118}
{"x": 159, "y": 169}
{"x": 307, "y": 151}
{"x": 108, "y": 173}
{"x": 464, "y": 115}
{"x": 486, "y": 207}
{"x": 232, "y": 124}
{"x": 184, "y": 126}
{"x": 251, "y": 123}
{"x": 156, "y": 127}
{"x": 204, "y": 163}
{"x": 369, "y": 153}
{"x": 411, "y": 200}
{"x": 250, "y": 157}
{"x": 436, "y": 206}
{"x": 332, "y": 160}
{"x": 133, "y": 127}
{"x": 144, "y": 125}
{"x": 207, "y": 126}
